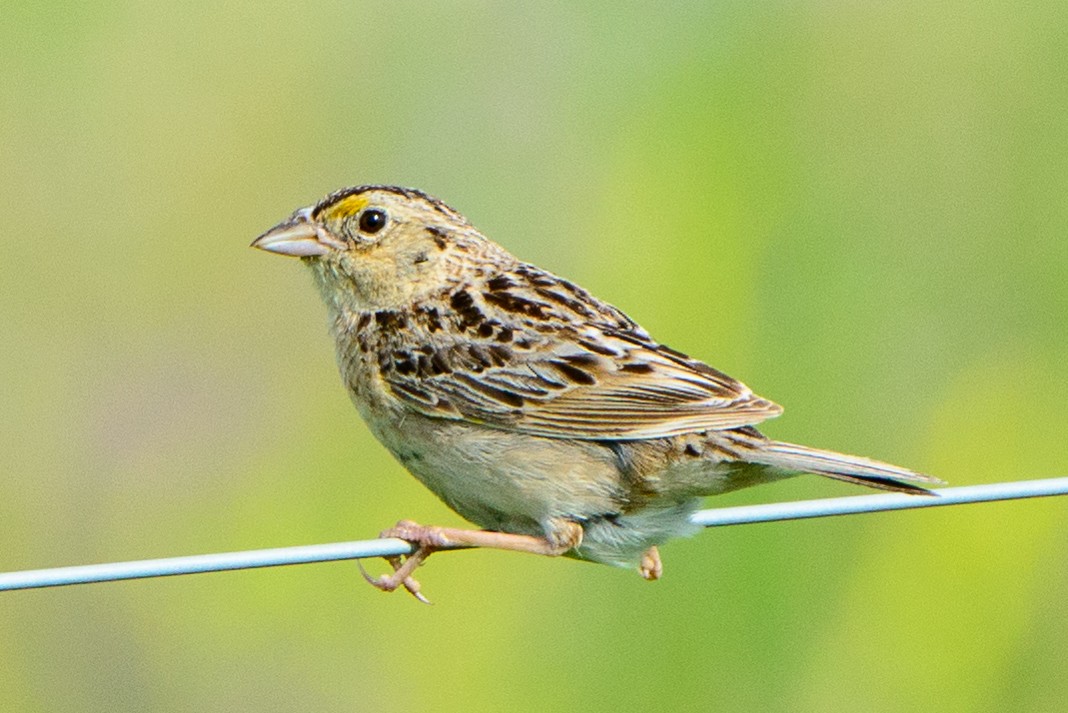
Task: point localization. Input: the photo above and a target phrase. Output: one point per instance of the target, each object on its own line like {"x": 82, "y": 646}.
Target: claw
{"x": 389, "y": 583}
{"x": 651, "y": 568}
{"x": 425, "y": 539}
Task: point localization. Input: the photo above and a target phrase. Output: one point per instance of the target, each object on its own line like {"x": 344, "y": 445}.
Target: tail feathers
{"x": 852, "y": 469}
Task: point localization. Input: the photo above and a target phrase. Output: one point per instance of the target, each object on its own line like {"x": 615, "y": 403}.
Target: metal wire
{"x": 876, "y": 503}
{"x": 719, "y": 517}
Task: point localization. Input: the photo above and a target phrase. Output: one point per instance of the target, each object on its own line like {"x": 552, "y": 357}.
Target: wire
{"x": 719, "y": 517}
{"x": 857, "y": 504}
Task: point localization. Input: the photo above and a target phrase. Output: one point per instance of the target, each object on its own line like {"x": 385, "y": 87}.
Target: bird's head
{"x": 377, "y": 247}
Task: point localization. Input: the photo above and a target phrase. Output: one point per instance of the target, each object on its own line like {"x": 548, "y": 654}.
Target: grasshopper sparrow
{"x": 529, "y": 406}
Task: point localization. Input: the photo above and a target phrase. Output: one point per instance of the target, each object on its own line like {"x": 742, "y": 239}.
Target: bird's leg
{"x": 651, "y": 568}
{"x": 565, "y": 535}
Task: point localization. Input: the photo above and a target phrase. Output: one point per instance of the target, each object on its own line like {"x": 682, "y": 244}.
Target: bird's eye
{"x": 372, "y": 220}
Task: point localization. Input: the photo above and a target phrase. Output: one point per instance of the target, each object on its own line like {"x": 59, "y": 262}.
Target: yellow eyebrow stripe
{"x": 346, "y": 207}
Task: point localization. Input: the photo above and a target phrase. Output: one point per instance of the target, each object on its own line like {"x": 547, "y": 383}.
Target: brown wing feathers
{"x": 582, "y": 370}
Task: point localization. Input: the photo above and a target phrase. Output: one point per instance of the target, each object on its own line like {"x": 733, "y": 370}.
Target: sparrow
{"x": 545, "y": 416}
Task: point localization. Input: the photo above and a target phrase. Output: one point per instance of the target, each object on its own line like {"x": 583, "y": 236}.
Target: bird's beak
{"x": 300, "y": 236}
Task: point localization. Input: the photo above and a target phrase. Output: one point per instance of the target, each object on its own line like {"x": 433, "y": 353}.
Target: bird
{"x": 540, "y": 413}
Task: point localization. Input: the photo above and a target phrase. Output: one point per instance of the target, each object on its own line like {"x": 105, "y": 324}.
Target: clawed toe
{"x": 651, "y": 568}
{"x": 426, "y": 540}
{"x": 419, "y": 535}
{"x": 402, "y": 569}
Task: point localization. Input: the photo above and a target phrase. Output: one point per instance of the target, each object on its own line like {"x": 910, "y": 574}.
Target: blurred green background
{"x": 859, "y": 209}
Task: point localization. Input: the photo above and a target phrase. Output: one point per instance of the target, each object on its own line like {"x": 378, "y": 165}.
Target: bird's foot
{"x": 426, "y": 541}
{"x": 566, "y": 535}
{"x": 650, "y": 567}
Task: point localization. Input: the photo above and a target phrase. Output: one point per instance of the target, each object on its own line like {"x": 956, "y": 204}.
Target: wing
{"x": 530, "y": 352}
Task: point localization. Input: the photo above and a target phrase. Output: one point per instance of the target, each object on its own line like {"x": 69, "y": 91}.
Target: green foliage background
{"x": 858, "y": 208}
